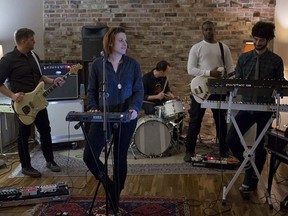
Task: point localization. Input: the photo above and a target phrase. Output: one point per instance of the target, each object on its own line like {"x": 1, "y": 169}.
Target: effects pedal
{"x": 33, "y": 195}
{"x": 214, "y": 162}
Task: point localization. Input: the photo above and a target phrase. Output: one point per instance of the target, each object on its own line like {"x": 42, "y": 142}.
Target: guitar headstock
{"x": 75, "y": 68}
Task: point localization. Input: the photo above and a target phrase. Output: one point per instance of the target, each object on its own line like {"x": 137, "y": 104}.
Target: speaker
{"x": 61, "y": 130}
{"x": 70, "y": 88}
{"x": 92, "y": 41}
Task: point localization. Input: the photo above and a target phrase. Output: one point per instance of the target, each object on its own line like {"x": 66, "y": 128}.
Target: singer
{"x": 122, "y": 89}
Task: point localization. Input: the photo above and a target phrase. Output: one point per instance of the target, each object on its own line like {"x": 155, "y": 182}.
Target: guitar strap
{"x": 222, "y": 56}
{"x": 35, "y": 57}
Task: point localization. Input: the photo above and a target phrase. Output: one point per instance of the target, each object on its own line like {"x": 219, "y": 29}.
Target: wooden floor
{"x": 203, "y": 192}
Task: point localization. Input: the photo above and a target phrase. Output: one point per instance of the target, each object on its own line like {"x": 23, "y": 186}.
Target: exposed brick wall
{"x": 156, "y": 29}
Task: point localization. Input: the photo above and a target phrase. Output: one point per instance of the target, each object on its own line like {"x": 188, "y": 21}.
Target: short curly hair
{"x": 263, "y": 30}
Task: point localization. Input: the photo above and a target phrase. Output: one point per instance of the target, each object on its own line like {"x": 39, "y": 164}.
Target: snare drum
{"x": 152, "y": 136}
{"x": 172, "y": 108}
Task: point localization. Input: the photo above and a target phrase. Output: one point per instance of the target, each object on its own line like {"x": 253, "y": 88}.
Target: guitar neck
{"x": 52, "y": 87}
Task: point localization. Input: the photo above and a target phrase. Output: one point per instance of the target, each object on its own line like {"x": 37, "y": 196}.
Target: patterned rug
{"x": 171, "y": 162}
{"x": 78, "y": 206}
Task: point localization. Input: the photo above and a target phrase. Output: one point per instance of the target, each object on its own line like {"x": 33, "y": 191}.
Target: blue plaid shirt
{"x": 270, "y": 67}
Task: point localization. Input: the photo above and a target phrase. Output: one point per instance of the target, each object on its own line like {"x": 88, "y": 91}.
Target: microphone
{"x": 77, "y": 126}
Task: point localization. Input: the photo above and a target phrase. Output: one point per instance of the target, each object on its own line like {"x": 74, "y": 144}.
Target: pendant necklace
{"x": 119, "y": 86}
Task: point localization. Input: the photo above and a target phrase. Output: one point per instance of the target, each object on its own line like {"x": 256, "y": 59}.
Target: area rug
{"x": 136, "y": 206}
{"x": 171, "y": 162}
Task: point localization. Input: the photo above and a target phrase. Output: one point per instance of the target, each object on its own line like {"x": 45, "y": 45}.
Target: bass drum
{"x": 152, "y": 136}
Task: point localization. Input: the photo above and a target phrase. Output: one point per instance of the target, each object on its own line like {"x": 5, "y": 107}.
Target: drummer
{"x": 157, "y": 92}
{"x": 156, "y": 87}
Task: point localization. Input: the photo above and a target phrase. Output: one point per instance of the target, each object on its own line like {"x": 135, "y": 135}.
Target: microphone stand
{"x": 103, "y": 176}
{"x": 104, "y": 95}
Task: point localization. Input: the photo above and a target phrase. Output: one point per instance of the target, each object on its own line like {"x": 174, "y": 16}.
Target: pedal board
{"x": 33, "y": 195}
{"x": 213, "y": 162}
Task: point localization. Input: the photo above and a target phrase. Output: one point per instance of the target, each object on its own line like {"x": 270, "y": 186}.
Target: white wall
{"x": 281, "y": 39}
{"x": 15, "y": 14}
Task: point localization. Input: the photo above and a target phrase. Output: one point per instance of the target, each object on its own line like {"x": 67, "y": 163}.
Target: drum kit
{"x": 153, "y": 135}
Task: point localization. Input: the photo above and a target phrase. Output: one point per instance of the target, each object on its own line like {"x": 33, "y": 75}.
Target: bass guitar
{"x": 199, "y": 88}
{"x": 35, "y": 101}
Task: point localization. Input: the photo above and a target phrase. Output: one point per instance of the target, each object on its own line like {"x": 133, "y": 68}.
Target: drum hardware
{"x": 176, "y": 142}
{"x": 159, "y": 111}
{"x": 132, "y": 146}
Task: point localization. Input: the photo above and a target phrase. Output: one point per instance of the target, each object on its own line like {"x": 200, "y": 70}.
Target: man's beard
{"x": 260, "y": 48}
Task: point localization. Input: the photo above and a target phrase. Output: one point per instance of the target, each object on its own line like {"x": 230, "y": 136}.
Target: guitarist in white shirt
{"x": 21, "y": 69}
{"x": 205, "y": 60}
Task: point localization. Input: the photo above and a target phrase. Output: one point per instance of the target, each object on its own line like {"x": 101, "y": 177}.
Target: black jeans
{"x": 196, "y": 114}
{"x": 43, "y": 127}
{"x": 122, "y": 134}
{"x": 245, "y": 120}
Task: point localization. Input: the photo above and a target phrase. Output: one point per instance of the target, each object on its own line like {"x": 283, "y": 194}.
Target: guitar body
{"x": 31, "y": 104}
{"x": 199, "y": 88}
{"x": 35, "y": 101}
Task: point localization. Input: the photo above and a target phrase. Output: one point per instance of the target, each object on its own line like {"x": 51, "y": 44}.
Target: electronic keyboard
{"x": 98, "y": 116}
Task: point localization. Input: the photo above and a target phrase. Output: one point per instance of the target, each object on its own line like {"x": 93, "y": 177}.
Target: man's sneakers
{"x": 249, "y": 184}
{"x": 31, "y": 172}
{"x": 53, "y": 166}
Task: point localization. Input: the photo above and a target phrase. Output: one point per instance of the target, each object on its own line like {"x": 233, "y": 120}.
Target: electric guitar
{"x": 35, "y": 101}
{"x": 199, "y": 88}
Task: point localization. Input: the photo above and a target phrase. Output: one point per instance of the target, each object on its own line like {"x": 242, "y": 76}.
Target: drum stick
{"x": 149, "y": 102}
{"x": 165, "y": 85}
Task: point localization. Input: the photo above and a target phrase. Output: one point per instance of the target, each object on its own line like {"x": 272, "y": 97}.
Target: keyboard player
{"x": 124, "y": 92}
{"x": 260, "y": 63}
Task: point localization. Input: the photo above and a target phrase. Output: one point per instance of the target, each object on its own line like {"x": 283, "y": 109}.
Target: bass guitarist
{"x": 21, "y": 69}
{"x": 205, "y": 60}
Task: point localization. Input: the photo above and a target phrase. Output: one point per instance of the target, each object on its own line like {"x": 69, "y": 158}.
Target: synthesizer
{"x": 244, "y": 106}
{"x": 98, "y": 116}
{"x": 33, "y": 195}
{"x": 245, "y": 87}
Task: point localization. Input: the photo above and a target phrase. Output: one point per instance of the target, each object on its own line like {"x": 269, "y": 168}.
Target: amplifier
{"x": 69, "y": 90}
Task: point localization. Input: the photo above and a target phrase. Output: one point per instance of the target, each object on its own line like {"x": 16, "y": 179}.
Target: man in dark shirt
{"x": 270, "y": 66}
{"x": 156, "y": 87}
{"x": 158, "y": 97}
{"x": 21, "y": 69}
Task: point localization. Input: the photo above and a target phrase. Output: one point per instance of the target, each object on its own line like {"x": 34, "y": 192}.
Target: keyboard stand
{"x": 248, "y": 156}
